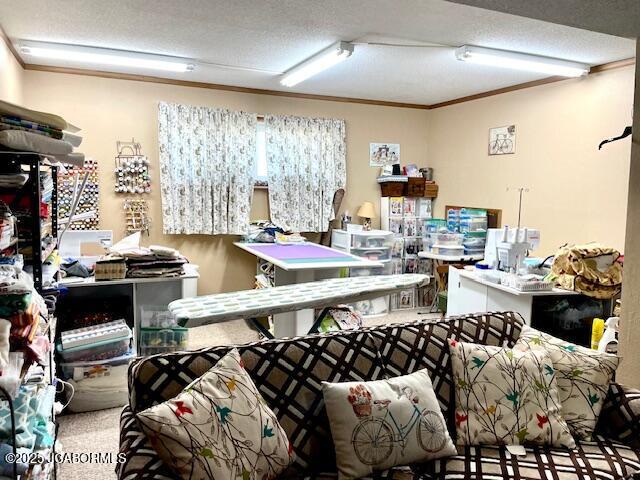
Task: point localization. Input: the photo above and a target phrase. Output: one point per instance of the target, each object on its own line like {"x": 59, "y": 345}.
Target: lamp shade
{"x": 367, "y": 210}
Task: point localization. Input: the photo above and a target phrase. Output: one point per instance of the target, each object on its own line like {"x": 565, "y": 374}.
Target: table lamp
{"x": 367, "y": 211}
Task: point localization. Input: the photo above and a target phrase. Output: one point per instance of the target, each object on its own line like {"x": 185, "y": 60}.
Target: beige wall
{"x": 630, "y": 320}
{"x": 577, "y": 193}
{"x": 11, "y": 76}
{"x": 109, "y": 110}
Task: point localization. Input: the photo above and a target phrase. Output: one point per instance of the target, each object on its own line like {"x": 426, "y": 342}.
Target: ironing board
{"x": 282, "y": 301}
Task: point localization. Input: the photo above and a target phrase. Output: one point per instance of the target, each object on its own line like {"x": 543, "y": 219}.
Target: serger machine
{"x": 506, "y": 249}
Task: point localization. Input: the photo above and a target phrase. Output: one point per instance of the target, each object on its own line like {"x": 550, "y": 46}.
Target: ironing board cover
{"x": 196, "y": 311}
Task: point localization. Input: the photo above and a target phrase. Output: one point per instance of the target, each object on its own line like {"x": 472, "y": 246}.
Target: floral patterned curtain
{"x": 306, "y": 163}
{"x": 207, "y": 169}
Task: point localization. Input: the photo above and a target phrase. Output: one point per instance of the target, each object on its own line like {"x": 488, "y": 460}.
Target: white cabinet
{"x": 465, "y": 295}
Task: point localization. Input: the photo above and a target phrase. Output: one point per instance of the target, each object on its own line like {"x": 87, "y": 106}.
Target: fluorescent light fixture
{"x": 102, "y": 56}
{"x": 327, "y": 58}
{"x": 521, "y": 61}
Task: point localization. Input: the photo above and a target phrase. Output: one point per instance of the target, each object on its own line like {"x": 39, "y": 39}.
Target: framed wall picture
{"x": 383, "y": 154}
{"x": 502, "y": 140}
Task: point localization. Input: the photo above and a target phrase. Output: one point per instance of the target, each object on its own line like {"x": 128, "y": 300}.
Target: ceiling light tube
{"x": 101, "y": 56}
{"x": 521, "y": 61}
{"x": 327, "y": 58}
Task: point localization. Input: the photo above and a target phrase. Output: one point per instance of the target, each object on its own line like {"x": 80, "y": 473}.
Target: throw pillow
{"x": 379, "y": 424}
{"x": 583, "y": 377}
{"x": 506, "y": 397}
{"x": 219, "y": 427}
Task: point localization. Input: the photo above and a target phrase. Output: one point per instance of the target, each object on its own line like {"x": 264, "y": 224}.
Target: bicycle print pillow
{"x": 380, "y": 424}
{"x": 506, "y": 397}
{"x": 583, "y": 377}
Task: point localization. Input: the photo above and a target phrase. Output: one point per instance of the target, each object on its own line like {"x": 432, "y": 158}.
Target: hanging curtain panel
{"x": 306, "y": 163}
{"x": 207, "y": 169}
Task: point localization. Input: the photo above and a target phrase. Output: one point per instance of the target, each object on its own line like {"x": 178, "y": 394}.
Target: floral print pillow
{"x": 379, "y": 424}
{"x": 583, "y": 377}
{"x": 506, "y": 397}
{"x": 219, "y": 427}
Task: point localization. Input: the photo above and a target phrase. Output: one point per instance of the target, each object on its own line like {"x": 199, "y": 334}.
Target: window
{"x": 261, "y": 154}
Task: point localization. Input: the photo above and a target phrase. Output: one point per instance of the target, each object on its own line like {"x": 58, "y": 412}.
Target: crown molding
{"x": 11, "y": 48}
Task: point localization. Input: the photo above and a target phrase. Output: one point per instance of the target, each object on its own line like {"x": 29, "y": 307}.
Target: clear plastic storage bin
{"x": 371, "y": 239}
{"x": 162, "y": 340}
{"x": 156, "y": 316}
{"x": 114, "y": 347}
{"x": 89, "y": 369}
{"x": 446, "y": 239}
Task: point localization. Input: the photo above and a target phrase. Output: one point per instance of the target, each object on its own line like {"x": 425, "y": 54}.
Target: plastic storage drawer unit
{"x": 375, "y": 254}
{"x": 371, "y": 239}
{"x": 386, "y": 269}
{"x": 162, "y": 340}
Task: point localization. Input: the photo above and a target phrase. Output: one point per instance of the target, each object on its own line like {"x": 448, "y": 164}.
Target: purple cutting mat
{"x": 305, "y": 251}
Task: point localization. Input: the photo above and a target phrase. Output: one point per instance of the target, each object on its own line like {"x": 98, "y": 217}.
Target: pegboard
{"x": 89, "y": 200}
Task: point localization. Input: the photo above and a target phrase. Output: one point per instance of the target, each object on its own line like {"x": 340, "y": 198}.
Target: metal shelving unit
{"x": 32, "y": 190}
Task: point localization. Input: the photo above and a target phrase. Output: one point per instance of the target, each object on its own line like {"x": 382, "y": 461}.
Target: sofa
{"x": 288, "y": 373}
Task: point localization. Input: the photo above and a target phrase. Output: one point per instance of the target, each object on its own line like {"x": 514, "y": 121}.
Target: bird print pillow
{"x": 379, "y": 424}
{"x": 583, "y": 376}
{"x": 506, "y": 397}
{"x": 219, "y": 427}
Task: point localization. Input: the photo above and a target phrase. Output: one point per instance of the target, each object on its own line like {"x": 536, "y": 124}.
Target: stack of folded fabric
{"x": 25, "y": 130}
{"x": 155, "y": 261}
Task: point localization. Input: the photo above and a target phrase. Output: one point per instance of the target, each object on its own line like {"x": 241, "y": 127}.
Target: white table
{"x": 277, "y": 301}
{"x": 302, "y": 270}
{"x": 469, "y": 293}
{"x": 451, "y": 258}
{"x": 142, "y": 292}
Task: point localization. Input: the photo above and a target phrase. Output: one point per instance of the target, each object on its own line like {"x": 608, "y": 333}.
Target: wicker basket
{"x": 362, "y": 410}
{"x": 110, "y": 270}
{"x": 416, "y": 187}
{"x": 431, "y": 190}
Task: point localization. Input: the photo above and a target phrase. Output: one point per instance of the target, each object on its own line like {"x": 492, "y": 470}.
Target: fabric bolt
{"x": 380, "y": 424}
{"x": 583, "y": 376}
{"x": 242, "y": 438}
{"x": 26, "y": 405}
{"x": 207, "y": 169}
{"x": 13, "y": 123}
{"x": 11, "y": 304}
{"x": 72, "y": 138}
{"x": 32, "y": 142}
{"x": 42, "y": 118}
{"x": 306, "y": 165}
{"x": 506, "y": 396}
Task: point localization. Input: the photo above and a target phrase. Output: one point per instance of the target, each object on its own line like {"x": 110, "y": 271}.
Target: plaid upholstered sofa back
{"x": 289, "y": 372}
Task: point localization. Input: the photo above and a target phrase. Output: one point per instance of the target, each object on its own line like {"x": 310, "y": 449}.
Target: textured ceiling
{"x": 274, "y": 35}
{"x": 615, "y": 17}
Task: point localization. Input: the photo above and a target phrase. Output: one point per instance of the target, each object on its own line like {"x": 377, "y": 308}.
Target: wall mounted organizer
{"x": 132, "y": 169}
{"x": 136, "y": 211}
{"x": 89, "y": 200}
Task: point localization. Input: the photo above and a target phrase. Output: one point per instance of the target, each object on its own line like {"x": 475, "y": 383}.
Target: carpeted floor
{"x": 98, "y": 431}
